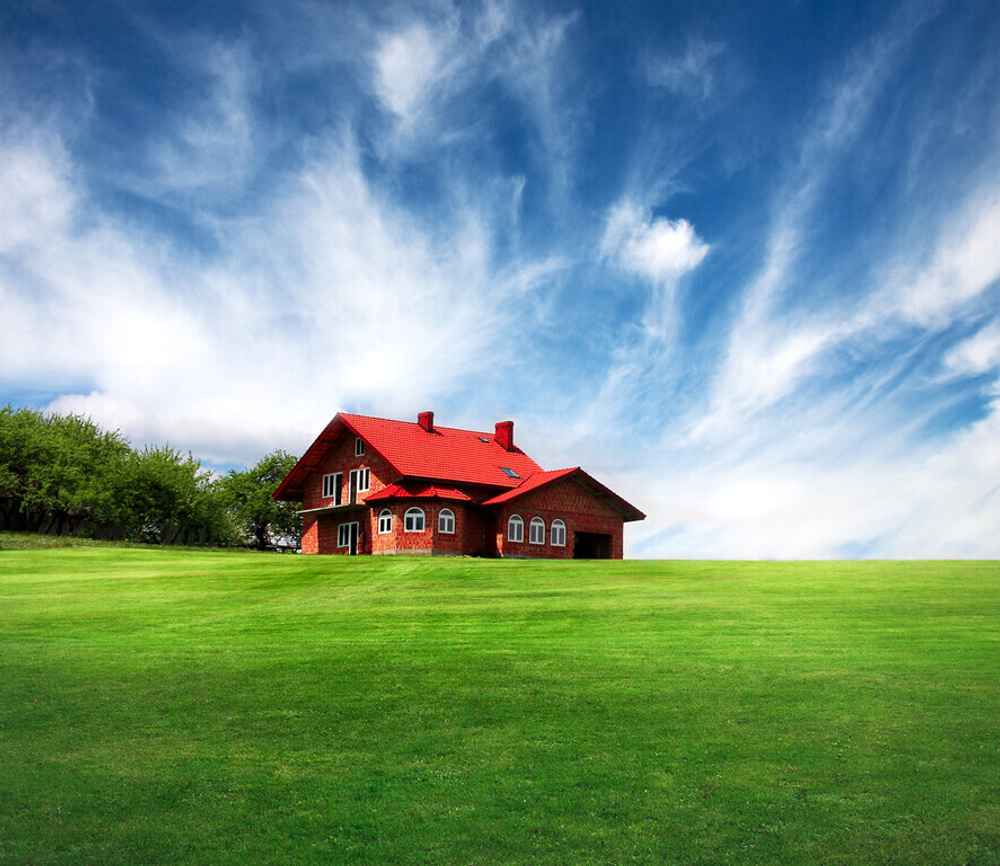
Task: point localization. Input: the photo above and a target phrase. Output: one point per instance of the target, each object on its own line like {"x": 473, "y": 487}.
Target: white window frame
{"x": 515, "y": 528}
{"x": 333, "y": 486}
{"x": 411, "y": 525}
{"x": 557, "y": 534}
{"x": 362, "y": 479}
{"x": 344, "y": 534}
{"x": 445, "y": 517}
{"x": 359, "y": 446}
{"x": 384, "y": 522}
{"x": 536, "y": 527}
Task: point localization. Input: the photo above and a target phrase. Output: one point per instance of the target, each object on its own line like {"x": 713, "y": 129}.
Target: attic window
{"x": 483, "y": 439}
{"x": 359, "y": 447}
{"x": 510, "y": 473}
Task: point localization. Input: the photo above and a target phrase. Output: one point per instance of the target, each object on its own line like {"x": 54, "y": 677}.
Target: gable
{"x": 543, "y": 482}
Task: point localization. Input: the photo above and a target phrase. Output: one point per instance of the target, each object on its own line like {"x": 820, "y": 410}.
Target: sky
{"x": 740, "y": 261}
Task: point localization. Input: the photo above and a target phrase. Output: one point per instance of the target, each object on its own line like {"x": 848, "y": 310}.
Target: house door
{"x": 347, "y": 536}
{"x": 490, "y": 537}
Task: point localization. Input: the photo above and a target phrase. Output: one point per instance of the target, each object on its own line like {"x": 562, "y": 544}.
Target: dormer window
{"x": 510, "y": 473}
{"x": 359, "y": 447}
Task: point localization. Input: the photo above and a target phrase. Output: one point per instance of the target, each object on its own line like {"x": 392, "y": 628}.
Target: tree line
{"x": 63, "y": 474}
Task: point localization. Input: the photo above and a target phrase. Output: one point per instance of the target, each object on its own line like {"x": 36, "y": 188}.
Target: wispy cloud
{"x": 212, "y": 141}
{"x": 977, "y": 355}
{"x": 408, "y": 65}
{"x": 690, "y": 73}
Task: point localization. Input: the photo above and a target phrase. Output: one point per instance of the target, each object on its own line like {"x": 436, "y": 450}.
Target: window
{"x": 413, "y": 520}
{"x": 510, "y": 473}
{"x": 446, "y": 521}
{"x": 360, "y": 482}
{"x": 385, "y": 522}
{"x": 484, "y": 440}
{"x": 332, "y": 486}
{"x": 515, "y": 528}
{"x": 344, "y": 535}
{"x": 359, "y": 447}
{"x": 536, "y": 531}
{"x": 558, "y": 534}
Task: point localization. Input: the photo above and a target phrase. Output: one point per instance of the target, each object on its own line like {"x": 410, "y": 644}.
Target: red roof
{"x": 429, "y": 462}
{"x": 539, "y": 479}
{"x": 443, "y": 454}
{"x": 542, "y": 479}
{"x": 418, "y": 491}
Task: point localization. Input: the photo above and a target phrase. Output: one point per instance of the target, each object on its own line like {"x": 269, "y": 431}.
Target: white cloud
{"x": 780, "y": 493}
{"x": 965, "y": 264}
{"x": 408, "y": 64}
{"x": 659, "y": 250}
{"x": 977, "y": 355}
{"x": 213, "y": 141}
{"x": 691, "y": 73}
{"x": 36, "y": 200}
{"x": 330, "y": 296}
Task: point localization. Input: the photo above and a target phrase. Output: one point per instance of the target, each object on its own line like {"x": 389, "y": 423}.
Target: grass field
{"x": 208, "y": 708}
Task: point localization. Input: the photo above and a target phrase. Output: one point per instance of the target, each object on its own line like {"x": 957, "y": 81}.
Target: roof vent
{"x": 426, "y": 420}
{"x": 505, "y": 434}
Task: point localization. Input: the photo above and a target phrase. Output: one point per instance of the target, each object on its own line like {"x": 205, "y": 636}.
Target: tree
{"x": 163, "y": 497}
{"x": 55, "y": 471}
{"x": 258, "y": 519}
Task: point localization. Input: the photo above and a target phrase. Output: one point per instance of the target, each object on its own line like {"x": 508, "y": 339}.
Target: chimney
{"x": 426, "y": 420}
{"x": 505, "y": 434}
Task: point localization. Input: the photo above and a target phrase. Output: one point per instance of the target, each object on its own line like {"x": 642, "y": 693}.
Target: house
{"x": 371, "y": 485}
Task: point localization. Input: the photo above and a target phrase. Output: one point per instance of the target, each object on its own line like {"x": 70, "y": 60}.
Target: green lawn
{"x": 213, "y": 708}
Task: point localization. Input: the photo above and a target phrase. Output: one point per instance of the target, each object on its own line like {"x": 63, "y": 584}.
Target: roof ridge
{"x": 490, "y": 433}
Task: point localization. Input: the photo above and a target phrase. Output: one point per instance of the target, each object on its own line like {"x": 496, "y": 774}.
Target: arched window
{"x": 385, "y": 522}
{"x": 536, "y": 531}
{"x": 515, "y": 528}
{"x": 558, "y": 534}
{"x": 413, "y": 520}
{"x": 446, "y": 521}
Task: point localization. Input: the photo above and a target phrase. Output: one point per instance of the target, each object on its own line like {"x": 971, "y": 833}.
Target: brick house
{"x": 370, "y": 485}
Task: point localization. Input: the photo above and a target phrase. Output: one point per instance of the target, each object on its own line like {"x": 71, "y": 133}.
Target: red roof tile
{"x": 429, "y": 462}
{"x": 418, "y": 491}
{"x": 444, "y": 454}
{"x": 541, "y": 479}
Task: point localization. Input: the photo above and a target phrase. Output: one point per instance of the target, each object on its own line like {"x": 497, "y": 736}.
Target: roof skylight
{"x": 509, "y": 472}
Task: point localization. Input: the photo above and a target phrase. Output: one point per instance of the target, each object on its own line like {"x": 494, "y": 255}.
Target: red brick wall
{"x": 341, "y": 459}
{"x": 319, "y": 532}
{"x": 310, "y": 534}
{"x": 467, "y": 538}
{"x": 574, "y": 504}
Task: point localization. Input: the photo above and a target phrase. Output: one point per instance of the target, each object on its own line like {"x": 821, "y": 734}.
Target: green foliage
{"x": 258, "y": 519}
{"x": 57, "y": 471}
{"x": 162, "y": 497}
{"x": 64, "y": 475}
{"x": 201, "y": 707}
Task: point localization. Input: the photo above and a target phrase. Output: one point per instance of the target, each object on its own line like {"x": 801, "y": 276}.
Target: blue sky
{"x": 739, "y": 261}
